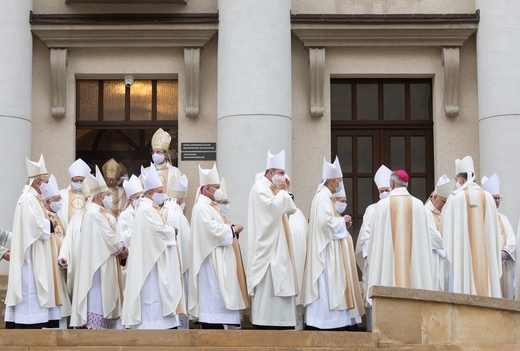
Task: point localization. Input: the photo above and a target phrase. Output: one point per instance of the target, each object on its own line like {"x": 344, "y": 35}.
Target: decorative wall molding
{"x": 451, "y": 62}
{"x": 59, "y": 82}
{"x": 317, "y": 74}
{"x": 192, "y": 74}
{"x": 136, "y": 2}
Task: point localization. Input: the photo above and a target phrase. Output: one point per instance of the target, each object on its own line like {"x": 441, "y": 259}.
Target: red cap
{"x": 402, "y": 175}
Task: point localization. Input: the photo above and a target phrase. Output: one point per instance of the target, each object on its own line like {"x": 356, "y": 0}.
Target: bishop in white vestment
{"x": 33, "y": 297}
{"x": 74, "y": 197}
{"x": 331, "y": 291}
{"x": 154, "y": 293}
{"x": 217, "y": 291}
{"x": 507, "y": 239}
{"x": 399, "y": 251}
{"x": 112, "y": 171}
{"x": 97, "y": 293}
{"x": 471, "y": 236}
{"x": 270, "y": 270}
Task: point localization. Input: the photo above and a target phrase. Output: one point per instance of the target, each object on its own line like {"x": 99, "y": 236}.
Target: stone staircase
{"x": 190, "y": 340}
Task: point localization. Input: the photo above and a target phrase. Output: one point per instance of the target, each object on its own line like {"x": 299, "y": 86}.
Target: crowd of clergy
{"x": 112, "y": 251}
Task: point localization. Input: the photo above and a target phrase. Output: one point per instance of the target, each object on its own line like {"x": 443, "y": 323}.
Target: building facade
{"x": 411, "y": 84}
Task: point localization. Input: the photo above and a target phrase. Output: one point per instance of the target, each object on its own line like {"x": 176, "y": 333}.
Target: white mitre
{"x": 36, "y": 169}
{"x": 51, "y": 188}
{"x": 79, "y": 168}
{"x": 444, "y": 186}
{"x": 151, "y": 179}
{"x": 465, "y": 166}
{"x": 96, "y": 184}
{"x": 223, "y": 187}
{"x": 382, "y": 177}
{"x": 132, "y": 186}
{"x": 331, "y": 170}
{"x": 275, "y": 161}
{"x": 208, "y": 176}
{"x": 180, "y": 190}
{"x": 491, "y": 184}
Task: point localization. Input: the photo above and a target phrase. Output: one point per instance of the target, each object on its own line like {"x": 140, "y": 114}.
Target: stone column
{"x": 15, "y": 103}
{"x": 254, "y": 92}
{"x": 498, "y": 52}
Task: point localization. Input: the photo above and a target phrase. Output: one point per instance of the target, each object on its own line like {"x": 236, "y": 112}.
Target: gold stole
{"x": 163, "y": 176}
{"x": 179, "y": 308}
{"x": 401, "y": 220}
{"x": 505, "y": 276}
{"x": 54, "y": 257}
{"x": 287, "y": 232}
{"x": 103, "y": 212}
{"x": 238, "y": 257}
{"x": 477, "y": 241}
{"x": 76, "y": 203}
{"x": 437, "y": 218}
{"x": 349, "y": 298}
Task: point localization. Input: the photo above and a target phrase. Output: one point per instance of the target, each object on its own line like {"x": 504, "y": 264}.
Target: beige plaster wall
{"x": 382, "y": 7}
{"x": 55, "y": 138}
{"x": 59, "y": 6}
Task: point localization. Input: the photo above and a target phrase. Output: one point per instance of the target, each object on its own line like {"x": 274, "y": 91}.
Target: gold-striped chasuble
{"x": 477, "y": 241}
{"x": 401, "y": 219}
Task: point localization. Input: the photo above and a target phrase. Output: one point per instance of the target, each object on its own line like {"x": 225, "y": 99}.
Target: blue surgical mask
{"x": 77, "y": 186}
{"x": 339, "y": 187}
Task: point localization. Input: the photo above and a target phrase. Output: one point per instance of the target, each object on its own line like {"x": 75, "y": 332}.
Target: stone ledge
{"x": 443, "y": 297}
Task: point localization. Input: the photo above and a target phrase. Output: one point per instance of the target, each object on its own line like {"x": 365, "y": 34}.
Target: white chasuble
{"x": 330, "y": 279}
{"x": 214, "y": 261}
{"x": 32, "y": 291}
{"x": 299, "y": 228}
{"x": 471, "y": 238}
{"x": 153, "y": 247}
{"x": 400, "y": 250}
{"x": 362, "y": 244}
{"x": 269, "y": 256}
{"x": 74, "y": 202}
{"x": 98, "y": 241}
{"x": 508, "y": 245}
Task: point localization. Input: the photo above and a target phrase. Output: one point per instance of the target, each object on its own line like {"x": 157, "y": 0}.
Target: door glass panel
{"x": 418, "y": 188}
{"x": 141, "y": 100}
{"x": 417, "y": 153}
{"x": 364, "y": 193}
{"x": 364, "y": 148}
{"x": 347, "y": 183}
{"x": 341, "y": 101}
{"x": 367, "y": 102}
{"x": 394, "y": 101}
{"x": 344, "y": 153}
{"x": 397, "y": 152}
{"x": 114, "y": 100}
{"x": 88, "y": 104}
{"x": 167, "y": 100}
{"x": 420, "y": 101}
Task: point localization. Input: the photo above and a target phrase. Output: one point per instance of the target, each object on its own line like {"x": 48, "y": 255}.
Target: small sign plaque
{"x": 199, "y": 151}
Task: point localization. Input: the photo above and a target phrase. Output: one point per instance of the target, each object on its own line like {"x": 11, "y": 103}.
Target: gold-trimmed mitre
{"x": 161, "y": 140}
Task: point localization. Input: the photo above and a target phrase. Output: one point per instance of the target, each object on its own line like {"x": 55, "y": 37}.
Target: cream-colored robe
{"x": 98, "y": 242}
{"x": 70, "y": 248}
{"x": 508, "y": 240}
{"x": 118, "y": 201}
{"x": 400, "y": 250}
{"x": 74, "y": 202}
{"x": 362, "y": 244}
{"x": 440, "y": 264}
{"x": 31, "y": 232}
{"x": 471, "y": 239}
{"x": 174, "y": 216}
{"x": 168, "y": 175}
{"x": 209, "y": 229}
{"x": 125, "y": 224}
{"x": 153, "y": 244}
{"x": 299, "y": 229}
{"x": 327, "y": 232}
{"x": 269, "y": 249}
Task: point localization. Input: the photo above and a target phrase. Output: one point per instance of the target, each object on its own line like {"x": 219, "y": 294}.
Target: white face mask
{"x": 107, "y": 201}
{"x": 78, "y": 186}
{"x": 183, "y": 206}
{"x": 340, "y": 206}
{"x": 458, "y": 185}
{"x": 159, "y": 198}
{"x": 218, "y": 195}
{"x": 135, "y": 202}
{"x": 384, "y": 195}
{"x": 224, "y": 208}
{"x": 55, "y": 206}
{"x": 157, "y": 158}
{"x": 275, "y": 178}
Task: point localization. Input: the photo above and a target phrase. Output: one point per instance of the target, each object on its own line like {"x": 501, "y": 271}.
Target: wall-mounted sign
{"x": 198, "y": 151}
